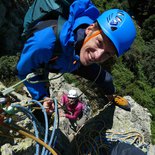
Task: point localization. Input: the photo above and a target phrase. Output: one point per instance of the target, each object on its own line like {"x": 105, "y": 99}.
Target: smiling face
{"x": 72, "y": 100}
{"x": 97, "y": 47}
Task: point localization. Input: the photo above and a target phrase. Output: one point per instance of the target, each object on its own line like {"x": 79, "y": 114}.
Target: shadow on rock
{"x": 91, "y": 137}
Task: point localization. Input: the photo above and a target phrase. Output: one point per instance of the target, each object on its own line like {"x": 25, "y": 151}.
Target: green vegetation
{"x": 71, "y": 79}
{"x": 7, "y": 69}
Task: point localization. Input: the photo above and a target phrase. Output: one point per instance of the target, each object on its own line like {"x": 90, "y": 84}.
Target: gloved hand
{"x": 48, "y": 105}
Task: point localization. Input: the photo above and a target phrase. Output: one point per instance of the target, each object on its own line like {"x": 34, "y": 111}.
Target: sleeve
{"x": 63, "y": 99}
{"x": 78, "y": 110}
{"x": 37, "y": 51}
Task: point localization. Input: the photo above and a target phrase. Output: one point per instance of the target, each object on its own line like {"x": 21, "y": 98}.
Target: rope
{"x": 39, "y": 81}
{"x": 89, "y": 140}
{"x": 55, "y": 124}
{"x": 28, "y": 77}
{"x": 46, "y": 123}
{"x": 92, "y": 140}
{"x": 31, "y": 117}
{"x": 125, "y": 137}
{"x": 27, "y": 134}
{"x": 36, "y": 124}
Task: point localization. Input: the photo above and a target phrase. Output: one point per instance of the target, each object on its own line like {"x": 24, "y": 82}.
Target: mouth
{"x": 87, "y": 57}
{"x": 90, "y": 57}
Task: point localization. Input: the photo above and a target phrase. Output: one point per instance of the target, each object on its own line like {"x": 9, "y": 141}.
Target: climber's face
{"x": 96, "y": 48}
{"x": 71, "y": 100}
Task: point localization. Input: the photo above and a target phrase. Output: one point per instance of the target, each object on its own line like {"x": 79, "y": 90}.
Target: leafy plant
{"x": 7, "y": 68}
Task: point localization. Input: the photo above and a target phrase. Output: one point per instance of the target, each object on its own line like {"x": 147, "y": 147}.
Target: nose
{"x": 97, "y": 55}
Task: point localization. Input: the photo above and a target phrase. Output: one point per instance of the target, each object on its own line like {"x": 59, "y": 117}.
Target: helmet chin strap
{"x": 92, "y": 36}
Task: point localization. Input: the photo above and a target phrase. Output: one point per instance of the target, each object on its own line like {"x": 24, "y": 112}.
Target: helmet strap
{"x": 92, "y": 36}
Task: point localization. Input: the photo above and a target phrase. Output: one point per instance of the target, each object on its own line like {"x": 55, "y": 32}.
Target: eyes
{"x": 99, "y": 42}
{"x": 104, "y": 43}
{"x": 70, "y": 99}
{"x": 108, "y": 54}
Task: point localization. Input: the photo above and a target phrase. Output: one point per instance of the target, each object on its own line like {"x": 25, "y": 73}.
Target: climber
{"x": 73, "y": 106}
{"x": 86, "y": 38}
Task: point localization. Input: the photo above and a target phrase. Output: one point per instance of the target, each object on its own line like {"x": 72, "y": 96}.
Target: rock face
{"x": 111, "y": 117}
{"x": 136, "y": 120}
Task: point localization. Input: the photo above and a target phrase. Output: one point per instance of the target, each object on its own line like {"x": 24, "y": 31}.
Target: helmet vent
{"x": 118, "y": 19}
{"x": 109, "y": 17}
{"x": 115, "y": 20}
{"x": 120, "y": 14}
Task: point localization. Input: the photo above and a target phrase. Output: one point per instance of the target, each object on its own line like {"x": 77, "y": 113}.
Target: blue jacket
{"x": 39, "y": 48}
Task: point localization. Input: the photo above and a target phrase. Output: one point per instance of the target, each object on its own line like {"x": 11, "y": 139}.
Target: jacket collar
{"x": 79, "y": 38}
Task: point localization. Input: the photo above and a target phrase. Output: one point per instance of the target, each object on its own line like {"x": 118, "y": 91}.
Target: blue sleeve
{"x": 37, "y": 51}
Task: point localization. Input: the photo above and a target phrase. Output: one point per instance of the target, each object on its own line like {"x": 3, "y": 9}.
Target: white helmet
{"x": 72, "y": 94}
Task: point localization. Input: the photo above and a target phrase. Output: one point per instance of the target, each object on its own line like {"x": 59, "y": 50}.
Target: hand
{"x": 60, "y": 105}
{"x": 48, "y": 105}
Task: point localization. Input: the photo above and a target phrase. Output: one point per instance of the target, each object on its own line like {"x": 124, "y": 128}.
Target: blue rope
{"x": 32, "y": 117}
{"x": 46, "y": 123}
{"x": 41, "y": 129}
{"x": 54, "y": 124}
{"x": 35, "y": 122}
